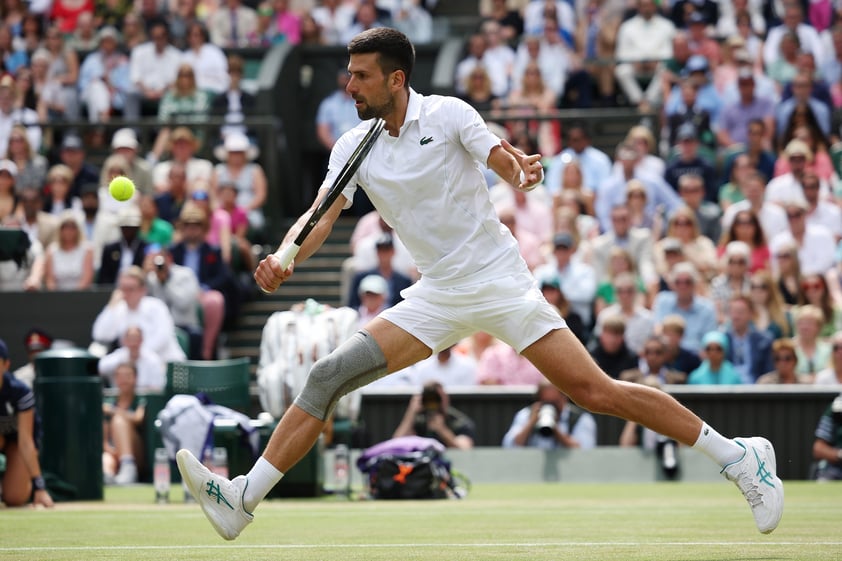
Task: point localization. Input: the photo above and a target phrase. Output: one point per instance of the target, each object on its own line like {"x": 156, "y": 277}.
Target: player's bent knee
{"x": 597, "y": 397}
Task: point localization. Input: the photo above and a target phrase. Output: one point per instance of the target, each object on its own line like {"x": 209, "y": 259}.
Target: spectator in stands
{"x": 501, "y": 365}
{"x": 13, "y": 58}
{"x": 84, "y": 38}
{"x": 72, "y": 154}
{"x": 832, "y": 375}
{"x": 153, "y": 230}
{"x": 746, "y": 228}
{"x": 219, "y": 222}
{"x": 509, "y": 20}
{"x": 178, "y": 287}
{"x": 827, "y": 448}
{"x": 220, "y": 297}
{"x": 364, "y": 238}
{"x": 129, "y": 250}
{"x": 788, "y": 272}
{"x": 336, "y": 113}
{"x": 691, "y": 112}
{"x": 537, "y": 13}
{"x": 447, "y": 367}
{"x": 814, "y": 291}
{"x": 628, "y": 305}
{"x": 183, "y": 147}
{"x": 39, "y": 225}
{"x": 594, "y": 163}
{"x": 124, "y": 142}
{"x": 477, "y": 47}
{"x": 770, "y": 315}
{"x": 596, "y": 40}
{"x": 763, "y": 160}
{"x": 620, "y": 262}
{"x": 65, "y": 13}
{"x": 31, "y": 33}
{"x": 150, "y": 370}
{"x": 153, "y": 69}
{"x": 415, "y": 22}
{"x": 430, "y": 415}
{"x": 551, "y": 422}
{"x": 478, "y": 92}
{"x": 233, "y": 25}
{"x": 100, "y": 228}
{"x": 237, "y": 166}
{"x": 129, "y": 306}
{"x": 530, "y": 245}
{"x": 34, "y": 341}
{"x": 612, "y": 192}
{"x": 653, "y": 364}
{"x": 395, "y": 280}
{"x": 28, "y": 276}
{"x": 69, "y": 262}
{"x": 813, "y": 352}
{"x": 639, "y": 216}
{"x": 677, "y": 357}
{"x": 733, "y": 124}
{"x": 644, "y": 141}
{"x": 820, "y": 212}
{"x": 174, "y": 194}
{"x": 8, "y": 193}
{"x": 697, "y": 248}
{"x": 697, "y": 311}
{"x": 831, "y": 70}
{"x": 733, "y": 191}
{"x": 643, "y": 42}
{"x": 689, "y": 161}
{"x": 238, "y": 218}
{"x": 11, "y": 116}
{"x": 822, "y": 163}
{"x": 22, "y": 479}
{"x": 792, "y": 25}
{"x": 577, "y": 279}
{"x": 784, "y": 359}
{"x": 609, "y": 349}
{"x": 715, "y": 368}
{"x": 771, "y": 216}
{"x": 334, "y": 17}
{"x": 104, "y": 78}
{"x": 184, "y": 100}
{"x": 734, "y": 278}
{"x": 573, "y": 180}
{"x": 31, "y": 166}
{"x": 122, "y": 445}
{"x": 57, "y": 196}
{"x": 64, "y": 70}
{"x": 533, "y": 97}
{"x": 673, "y": 68}
{"x": 697, "y": 101}
{"x": 691, "y": 189}
{"x": 814, "y": 242}
{"x": 749, "y": 350}
{"x": 235, "y": 104}
{"x": 551, "y": 289}
{"x": 367, "y": 17}
{"x": 133, "y": 30}
{"x": 789, "y": 186}
{"x": 208, "y": 61}
{"x": 803, "y": 107}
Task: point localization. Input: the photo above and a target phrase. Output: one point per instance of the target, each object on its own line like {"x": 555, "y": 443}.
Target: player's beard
{"x": 370, "y": 111}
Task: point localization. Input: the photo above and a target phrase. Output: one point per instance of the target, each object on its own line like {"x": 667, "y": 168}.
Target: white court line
{"x": 402, "y": 546}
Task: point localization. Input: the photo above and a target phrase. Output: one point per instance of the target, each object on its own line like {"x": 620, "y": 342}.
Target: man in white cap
{"x": 124, "y": 142}
{"x": 374, "y": 295}
{"x": 788, "y": 186}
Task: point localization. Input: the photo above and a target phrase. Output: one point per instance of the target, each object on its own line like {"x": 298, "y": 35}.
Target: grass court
{"x": 535, "y": 522}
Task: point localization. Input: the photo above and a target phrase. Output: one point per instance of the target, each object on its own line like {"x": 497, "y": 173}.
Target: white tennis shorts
{"x": 511, "y": 309}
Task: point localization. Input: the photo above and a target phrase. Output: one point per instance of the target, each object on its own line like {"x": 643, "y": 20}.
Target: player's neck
{"x": 395, "y": 119}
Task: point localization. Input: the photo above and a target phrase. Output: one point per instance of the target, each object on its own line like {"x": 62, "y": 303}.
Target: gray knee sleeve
{"x": 355, "y": 363}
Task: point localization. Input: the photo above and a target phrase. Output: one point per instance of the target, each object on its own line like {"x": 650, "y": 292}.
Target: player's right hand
{"x": 269, "y": 275}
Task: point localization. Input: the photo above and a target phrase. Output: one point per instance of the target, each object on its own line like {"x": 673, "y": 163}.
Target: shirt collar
{"x": 413, "y": 107}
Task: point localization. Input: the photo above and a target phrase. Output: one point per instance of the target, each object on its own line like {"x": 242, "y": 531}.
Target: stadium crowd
{"x": 704, "y": 250}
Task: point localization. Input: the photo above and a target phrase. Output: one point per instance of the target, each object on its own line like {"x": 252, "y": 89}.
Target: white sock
{"x": 721, "y": 450}
{"x": 262, "y": 477}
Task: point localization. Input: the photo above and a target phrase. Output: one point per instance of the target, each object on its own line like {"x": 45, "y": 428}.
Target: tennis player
{"x": 424, "y": 177}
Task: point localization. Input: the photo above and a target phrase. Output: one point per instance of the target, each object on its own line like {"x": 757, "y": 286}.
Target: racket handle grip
{"x": 287, "y": 255}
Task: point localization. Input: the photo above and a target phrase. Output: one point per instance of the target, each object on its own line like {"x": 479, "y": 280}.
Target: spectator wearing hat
{"x": 125, "y": 143}
{"x": 660, "y": 197}
{"x": 237, "y": 166}
{"x": 576, "y": 279}
{"x": 642, "y": 43}
{"x": 179, "y": 288}
{"x": 732, "y": 127}
{"x": 220, "y": 297}
{"x": 183, "y": 147}
{"x": 57, "y": 195}
{"x": 373, "y": 294}
{"x": 34, "y": 341}
{"x": 697, "y": 311}
{"x": 816, "y": 244}
{"x": 129, "y": 306}
{"x": 184, "y": 101}
{"x": 789, "y": 186}
{"x": 395, "y": 280}
{"x": 715, "y": 368}
{"x": 104, "y": 77}
{"x": 70, "y": 259}
{"x": 20, "y": 424}
{"x": 11, "y": 116}
{"x": 153, "y": 67}
{"x": 127, "y": 251}
{"x": 689, "y": 161}
{"x": 39, "y": 225}
{"x": 72, "y": 154}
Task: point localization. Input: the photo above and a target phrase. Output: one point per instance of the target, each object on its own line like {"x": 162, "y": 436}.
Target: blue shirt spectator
{"x": 697, "y": 311}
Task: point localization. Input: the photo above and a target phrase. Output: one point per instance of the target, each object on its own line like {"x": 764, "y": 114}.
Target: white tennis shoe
{"x": 221, "y": 500}
{"x": 755, "y": 475}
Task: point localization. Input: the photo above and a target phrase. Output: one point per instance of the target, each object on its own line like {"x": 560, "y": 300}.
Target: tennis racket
{"x": 348, "y": 170}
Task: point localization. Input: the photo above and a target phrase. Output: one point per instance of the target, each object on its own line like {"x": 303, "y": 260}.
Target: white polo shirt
{"x": 428, "y": 185}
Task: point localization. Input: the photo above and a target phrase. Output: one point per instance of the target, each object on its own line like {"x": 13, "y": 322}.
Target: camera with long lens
{"x": 547, "y": 419}
{"x": 159, "y": 262}
{"x": 431, "y": 404}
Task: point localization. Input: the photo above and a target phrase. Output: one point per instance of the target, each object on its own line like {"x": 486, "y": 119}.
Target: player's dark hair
{"x": 395, "y": 49}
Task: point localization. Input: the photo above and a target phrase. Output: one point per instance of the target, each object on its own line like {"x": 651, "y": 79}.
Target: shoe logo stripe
{"x": 764, "y": 474}
{"x": 214, "y": 492}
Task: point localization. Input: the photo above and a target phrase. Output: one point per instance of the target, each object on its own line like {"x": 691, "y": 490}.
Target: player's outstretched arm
{"x": 523, "y": 171}
{"x": 269, "y": 274}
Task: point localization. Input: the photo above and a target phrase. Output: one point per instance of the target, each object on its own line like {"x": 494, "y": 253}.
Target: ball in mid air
{"x": 121, "y": 188}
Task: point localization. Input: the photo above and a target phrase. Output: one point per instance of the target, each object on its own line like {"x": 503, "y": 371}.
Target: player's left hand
{"x": 42, "y": 498}
{"x": 530, "y": 165}
{"x": 269, "y": 275}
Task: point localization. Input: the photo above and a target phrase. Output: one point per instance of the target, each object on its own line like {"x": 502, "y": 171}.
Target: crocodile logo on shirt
{"x": 426, "y": 140}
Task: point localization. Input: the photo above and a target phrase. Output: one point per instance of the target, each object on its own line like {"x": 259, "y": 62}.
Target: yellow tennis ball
{"x": 121, "y": 188}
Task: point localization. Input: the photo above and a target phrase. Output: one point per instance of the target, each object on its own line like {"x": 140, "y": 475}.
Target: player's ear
{"x": 398, "y": 79}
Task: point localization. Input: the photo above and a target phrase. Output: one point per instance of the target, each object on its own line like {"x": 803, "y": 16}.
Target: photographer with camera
{"x": 179, "y": 288}
{"x": 429, "y": 415}
{"x": 551, "y": 422}
{"x": 827, "y": 449}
